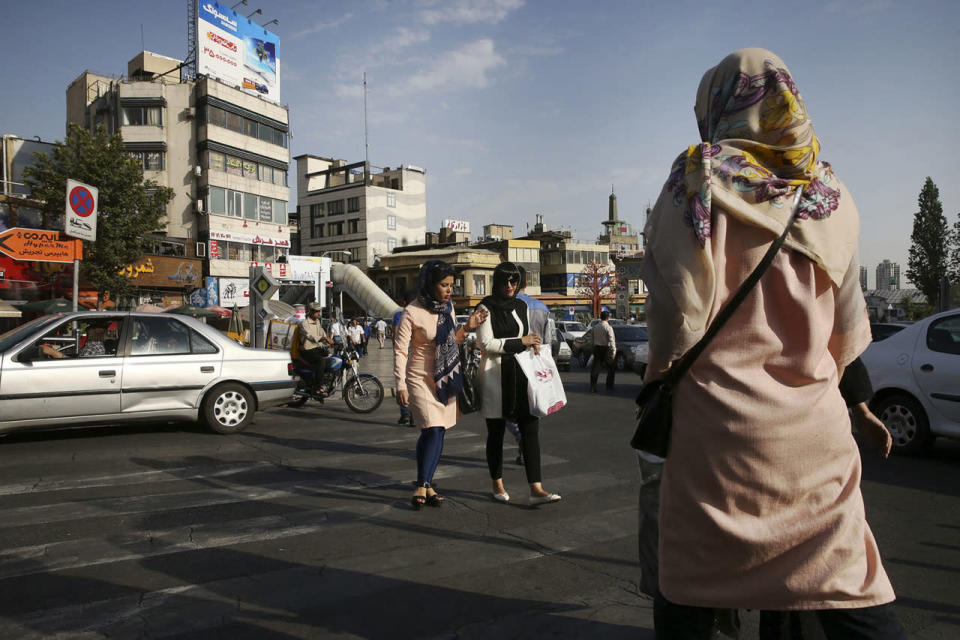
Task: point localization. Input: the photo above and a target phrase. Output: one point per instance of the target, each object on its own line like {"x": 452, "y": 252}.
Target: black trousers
{"x": 602, "y": 357}
{"x": 681, "y": 622}
{"x": 529, "y": 427}
{"x": 317, "y": 359}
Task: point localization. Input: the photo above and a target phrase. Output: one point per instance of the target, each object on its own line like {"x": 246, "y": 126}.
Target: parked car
{"x": 102, "y": 367}
{"x": 883, "y": 330}
{"x": 628, "y": 336}
{"x": 641, "y": 357}
{"x": 581, "y": 349}
{"x": 916, "y": 380}
{"x": 570, "y": 330}
{"x": 561, "y": 352}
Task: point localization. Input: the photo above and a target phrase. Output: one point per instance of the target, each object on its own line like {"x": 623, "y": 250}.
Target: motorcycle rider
{"x": 308, "y": 345}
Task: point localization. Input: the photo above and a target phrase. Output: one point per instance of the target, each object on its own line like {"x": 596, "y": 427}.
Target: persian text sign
{"x": 39, "y": 245}
{"x": 457, "y": 226}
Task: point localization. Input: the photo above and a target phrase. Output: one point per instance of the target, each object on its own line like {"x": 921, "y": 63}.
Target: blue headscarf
{"x": 447, "y": 373}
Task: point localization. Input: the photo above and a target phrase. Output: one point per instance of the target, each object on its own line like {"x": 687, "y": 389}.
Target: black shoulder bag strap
{"x": 686, "y": 361}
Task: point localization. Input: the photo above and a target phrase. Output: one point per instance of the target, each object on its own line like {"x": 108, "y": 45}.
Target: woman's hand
{"x": 532, "y": 340}
{"x": 403, "y": 397}
{"x": 476, "y": 319}
{"x": 874, "y": 433}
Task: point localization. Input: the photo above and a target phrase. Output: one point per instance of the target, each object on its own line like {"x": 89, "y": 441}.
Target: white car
{"x": 916, "y": 380}
{"x": 571, "y": 330}
{"x": 104, "y": 367}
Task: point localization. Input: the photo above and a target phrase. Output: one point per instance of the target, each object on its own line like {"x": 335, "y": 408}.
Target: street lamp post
{"x": 348, "y": 253}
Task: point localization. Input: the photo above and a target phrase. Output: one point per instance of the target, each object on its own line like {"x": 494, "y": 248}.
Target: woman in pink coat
{"x": 429, "y": 378}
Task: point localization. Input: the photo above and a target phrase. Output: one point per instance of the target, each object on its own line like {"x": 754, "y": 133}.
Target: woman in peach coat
{"x": 429, "y": 378}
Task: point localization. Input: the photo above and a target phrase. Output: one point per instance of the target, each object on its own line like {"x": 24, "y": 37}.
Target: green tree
{"x": 953, "y": 266}
{"x": 128, "y": 206}
{"x": 929, "y": 244}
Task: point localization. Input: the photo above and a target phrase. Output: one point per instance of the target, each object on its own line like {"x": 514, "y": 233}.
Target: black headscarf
{"x": 497, "y": 300}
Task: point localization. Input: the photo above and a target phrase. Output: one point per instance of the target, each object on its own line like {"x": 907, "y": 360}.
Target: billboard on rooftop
{"x": 237, "y": 51}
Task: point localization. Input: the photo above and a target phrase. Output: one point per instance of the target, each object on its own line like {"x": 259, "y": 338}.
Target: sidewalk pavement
{"x": 380, "y": 363}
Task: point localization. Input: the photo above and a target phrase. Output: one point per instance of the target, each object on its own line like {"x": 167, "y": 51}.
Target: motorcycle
{"x": 362, "y": 392}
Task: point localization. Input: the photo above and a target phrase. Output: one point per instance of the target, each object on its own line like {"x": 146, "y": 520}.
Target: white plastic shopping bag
{"x": 544, "y": 386}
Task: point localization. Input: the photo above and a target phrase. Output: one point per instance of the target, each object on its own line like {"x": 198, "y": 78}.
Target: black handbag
{"x": 655, "y": 400}
{"x": 470, "y": 397}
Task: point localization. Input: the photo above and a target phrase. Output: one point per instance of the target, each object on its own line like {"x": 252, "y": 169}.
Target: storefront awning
{"x": 7, "y": 310}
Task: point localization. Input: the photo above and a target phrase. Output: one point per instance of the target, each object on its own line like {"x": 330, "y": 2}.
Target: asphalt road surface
{"x": 301, "y": 528}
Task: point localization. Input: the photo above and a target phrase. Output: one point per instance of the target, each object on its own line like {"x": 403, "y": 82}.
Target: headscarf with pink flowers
{"x": 757, "y": 146}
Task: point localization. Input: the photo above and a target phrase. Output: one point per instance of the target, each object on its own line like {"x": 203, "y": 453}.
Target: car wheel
{"x": 228, "y": 408}
{"x": 907, "y": 422}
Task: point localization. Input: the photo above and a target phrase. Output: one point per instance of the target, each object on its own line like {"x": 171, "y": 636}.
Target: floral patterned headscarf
{"x": 757, "y": 147}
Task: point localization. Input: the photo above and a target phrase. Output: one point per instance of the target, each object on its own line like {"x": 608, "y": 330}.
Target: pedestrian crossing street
{"x": 301, "y": 527}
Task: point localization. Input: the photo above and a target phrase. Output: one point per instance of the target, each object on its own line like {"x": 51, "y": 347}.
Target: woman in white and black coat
{"x": 505, "y": 333}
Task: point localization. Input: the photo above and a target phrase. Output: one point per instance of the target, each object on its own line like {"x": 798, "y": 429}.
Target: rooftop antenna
{"x": 366, "y": 138}
{"x": 143, "y": 47}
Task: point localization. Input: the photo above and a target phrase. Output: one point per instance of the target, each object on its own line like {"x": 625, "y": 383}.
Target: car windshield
{"x": 573, "y": 326}
{"x": 15, "y": 335}
{"x": 630, "y": 333}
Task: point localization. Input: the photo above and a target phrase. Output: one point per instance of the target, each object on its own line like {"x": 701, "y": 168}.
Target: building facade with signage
{"x": 219, "y": 140}
{"x": 352, "y": 208}
{"x": 396, "y": 273}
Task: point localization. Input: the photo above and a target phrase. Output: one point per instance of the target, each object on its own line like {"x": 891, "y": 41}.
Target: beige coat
{"x": 760, "y": 498}
{"x": 417, "y": 332}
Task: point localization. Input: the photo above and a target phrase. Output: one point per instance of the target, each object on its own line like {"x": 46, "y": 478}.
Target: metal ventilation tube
{"x": 363, "y": 290}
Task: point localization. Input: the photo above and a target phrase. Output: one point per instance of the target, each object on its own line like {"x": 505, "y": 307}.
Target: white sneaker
{"x": 550, "y": 497}
{"x": 502, "y": 497}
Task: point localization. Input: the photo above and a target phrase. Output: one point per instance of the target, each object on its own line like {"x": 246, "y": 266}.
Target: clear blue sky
{"x": 520, "y": 107}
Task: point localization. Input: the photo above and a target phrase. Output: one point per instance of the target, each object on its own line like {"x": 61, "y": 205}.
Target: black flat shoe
{"x": 417, "y": 502}
{"x": 436, "y": 500}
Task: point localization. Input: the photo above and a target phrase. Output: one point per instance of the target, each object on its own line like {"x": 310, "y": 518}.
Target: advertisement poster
{"x": 281, "y": 335}
{"x": 237, "y": 51}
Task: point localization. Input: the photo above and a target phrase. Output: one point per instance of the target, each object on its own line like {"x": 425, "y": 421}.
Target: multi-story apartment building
{"x": 355, "y": 215}
{"x": 222, "y": 150}
{"x": 888, "y": 275}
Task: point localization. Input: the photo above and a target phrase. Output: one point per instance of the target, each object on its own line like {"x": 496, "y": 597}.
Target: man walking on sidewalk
{"x": 604, "y": 352}
{"x": 381, "y": 331}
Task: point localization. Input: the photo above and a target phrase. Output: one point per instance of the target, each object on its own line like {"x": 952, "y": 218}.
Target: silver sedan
{"x": 103, "y": 367}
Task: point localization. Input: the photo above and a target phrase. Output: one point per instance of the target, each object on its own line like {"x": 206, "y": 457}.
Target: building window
{"x": 246, "y": 126}
{"x": 391, "y": 244}
{"x": 250, "y": 202}
{"x": 217, "y": 200}
{"x": 280, "y": 212}
{"x": 317, "y": 229}
{"x": 392, "y": 222}
{"x": 353, "y": 204}
{"x": 149, "y": 160}
{"x": 391, "y": 200}
{"x": 215, "y": 161}
{"x": 217, "y": 116}
{"x": 479, "y": 285}
{"x": 353, "y": 226}
{"x": 250, "y": 169}
{"x": 335, "y": 229}
{"x": 335, "y": 207}
{"x": 234, "y": 204}
{"x": 140, "y": 116}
